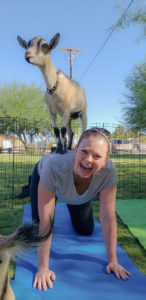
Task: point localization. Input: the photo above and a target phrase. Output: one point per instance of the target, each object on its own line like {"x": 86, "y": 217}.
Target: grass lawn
{"x": 131, "y": 170}
{"x": 14, "y": 172}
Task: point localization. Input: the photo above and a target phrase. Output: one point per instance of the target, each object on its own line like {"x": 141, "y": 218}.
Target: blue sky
{"x": 82, "y": 25}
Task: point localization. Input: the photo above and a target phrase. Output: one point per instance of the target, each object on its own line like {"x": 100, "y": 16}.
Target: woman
{"x": 76, "y": 178}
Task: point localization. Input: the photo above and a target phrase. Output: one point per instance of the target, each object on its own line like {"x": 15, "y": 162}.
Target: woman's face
{"x": 90, "y": 156}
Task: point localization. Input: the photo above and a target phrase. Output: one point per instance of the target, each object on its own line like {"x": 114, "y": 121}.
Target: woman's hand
{"x": 118, "y": 270}
{"x": 44, "y": 277}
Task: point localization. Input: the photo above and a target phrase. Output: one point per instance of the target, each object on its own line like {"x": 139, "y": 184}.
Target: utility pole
{"x": 71, "y": 58}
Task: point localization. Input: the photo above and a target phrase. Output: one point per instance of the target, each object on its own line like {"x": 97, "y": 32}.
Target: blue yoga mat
{"x": 79, "y": 264}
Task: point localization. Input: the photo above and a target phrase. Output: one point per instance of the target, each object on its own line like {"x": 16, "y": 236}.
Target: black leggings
{"x": 81, "y": 215}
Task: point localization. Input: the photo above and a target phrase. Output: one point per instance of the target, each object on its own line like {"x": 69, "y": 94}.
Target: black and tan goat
{"x": 64, "y": 96}
{"x": 24, "y": 237}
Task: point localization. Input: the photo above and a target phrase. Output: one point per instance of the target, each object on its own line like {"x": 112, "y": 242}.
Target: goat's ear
{"x": 54, "y": 41}
{"x": 22, "y": 42}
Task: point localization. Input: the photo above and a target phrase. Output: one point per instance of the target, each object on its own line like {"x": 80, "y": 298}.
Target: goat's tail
{"x": 25, "y": 236}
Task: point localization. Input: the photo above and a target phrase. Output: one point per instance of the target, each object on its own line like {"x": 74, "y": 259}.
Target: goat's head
{"x": 38, "y": 49}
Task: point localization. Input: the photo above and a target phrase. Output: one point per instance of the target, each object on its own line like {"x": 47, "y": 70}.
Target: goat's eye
{"x": 44, "y": 46}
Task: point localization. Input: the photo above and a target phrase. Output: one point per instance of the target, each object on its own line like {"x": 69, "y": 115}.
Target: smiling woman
{"x": 91, "y": 153}
{"x": 76, "y": 178}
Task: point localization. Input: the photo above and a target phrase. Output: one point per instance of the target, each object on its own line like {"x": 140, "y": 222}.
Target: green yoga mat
{"x": 133, "y": 214}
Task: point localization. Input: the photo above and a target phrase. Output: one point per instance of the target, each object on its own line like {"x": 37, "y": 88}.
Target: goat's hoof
{"x": 61, "y": 151}
{"x": 65, "y": 151}
{"x": 53, "y": 149}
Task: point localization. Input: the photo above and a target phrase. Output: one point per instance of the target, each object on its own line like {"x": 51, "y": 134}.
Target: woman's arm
{"x": 46, "y": 207}
{"x": 109, "y": 228}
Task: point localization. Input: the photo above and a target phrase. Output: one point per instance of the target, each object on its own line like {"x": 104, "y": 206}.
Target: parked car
{"x": 121, "y": 146}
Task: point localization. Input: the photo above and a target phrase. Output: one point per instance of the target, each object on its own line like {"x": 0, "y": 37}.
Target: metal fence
{"x": 22, "y": 144}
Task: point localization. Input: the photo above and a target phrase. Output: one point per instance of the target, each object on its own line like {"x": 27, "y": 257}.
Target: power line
{"x": 106, "y": 40}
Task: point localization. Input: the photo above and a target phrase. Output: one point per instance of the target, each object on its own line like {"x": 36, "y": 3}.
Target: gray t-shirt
{"x": 56, "y": 174}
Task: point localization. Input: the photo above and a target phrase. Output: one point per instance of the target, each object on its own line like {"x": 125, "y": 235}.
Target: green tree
{"x": 123, "y": 133}
{"x": 23, "y": 111}
{"x": 135, "y": 103}
{"x": 136, "y": 14}
{"x": 119, "y": 132}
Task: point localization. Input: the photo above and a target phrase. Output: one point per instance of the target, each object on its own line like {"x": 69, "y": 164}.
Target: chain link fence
{"x": 22, "y": 144}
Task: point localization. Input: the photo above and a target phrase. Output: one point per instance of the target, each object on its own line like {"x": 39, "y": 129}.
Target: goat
{"x": 25, "y": 236}
{"x": 64, "y": 96}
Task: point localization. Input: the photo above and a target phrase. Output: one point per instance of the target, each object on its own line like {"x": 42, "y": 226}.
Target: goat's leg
{"x": 53, "y": 118}
{"x": 64, "y": 138}
{"x": 6, "y": 292}
{"x": 83, "y": 118}
{"x": 9, "y": 293}
{"x": 59, "y": 148}
{"x": 70, "y": 135}
{"x": 64, "y": 130}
